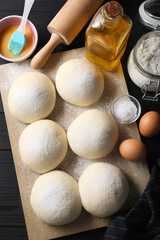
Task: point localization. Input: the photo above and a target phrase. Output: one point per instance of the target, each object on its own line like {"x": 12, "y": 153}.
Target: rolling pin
{"x": 65, "y": 26}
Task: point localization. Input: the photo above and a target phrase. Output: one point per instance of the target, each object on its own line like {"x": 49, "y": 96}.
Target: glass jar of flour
{"x": 144, "y": 60}
{"x": 144, "y": 65}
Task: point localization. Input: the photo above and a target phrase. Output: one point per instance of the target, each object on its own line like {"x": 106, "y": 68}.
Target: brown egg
{"x": 133, "y": 150}
{"x": 149, "y": 125}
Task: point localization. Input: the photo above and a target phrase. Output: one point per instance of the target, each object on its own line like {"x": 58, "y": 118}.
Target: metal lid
{"x": 149, "y": 12}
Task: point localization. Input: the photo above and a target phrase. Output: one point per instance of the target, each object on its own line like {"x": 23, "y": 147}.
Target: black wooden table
{"x": 12, "y": 224}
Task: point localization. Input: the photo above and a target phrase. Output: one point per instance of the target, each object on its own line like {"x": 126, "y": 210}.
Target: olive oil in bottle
{"x": 107, "y": 35}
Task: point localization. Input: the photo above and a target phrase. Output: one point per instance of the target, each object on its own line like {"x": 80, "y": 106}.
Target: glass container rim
{"x": 147, "y": 3}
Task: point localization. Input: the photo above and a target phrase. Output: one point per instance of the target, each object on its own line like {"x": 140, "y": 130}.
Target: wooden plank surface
{"x": 137, "y": 173}
{"x": 10, "y": 204}
{"x": 1, "y": 105}
{"x": 39, "y": 6}
{"x": 4, "y": 140}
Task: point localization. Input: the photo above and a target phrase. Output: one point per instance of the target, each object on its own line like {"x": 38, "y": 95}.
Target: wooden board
{"x": 64, "y": 113}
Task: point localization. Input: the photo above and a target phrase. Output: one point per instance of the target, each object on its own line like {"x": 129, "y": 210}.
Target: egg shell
{"x": 149, "y": 125}
{"x": 133, "y": 150}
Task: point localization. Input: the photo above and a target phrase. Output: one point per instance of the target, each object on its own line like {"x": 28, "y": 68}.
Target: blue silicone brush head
{"x": 17, "y": 43}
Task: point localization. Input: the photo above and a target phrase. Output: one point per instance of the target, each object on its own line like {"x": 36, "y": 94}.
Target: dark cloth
{"x": 142, "y": 221}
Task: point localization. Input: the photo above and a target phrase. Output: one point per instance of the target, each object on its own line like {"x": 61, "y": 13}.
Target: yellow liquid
{"x": 5, "y": 36}
{"x": 106, "y": 47}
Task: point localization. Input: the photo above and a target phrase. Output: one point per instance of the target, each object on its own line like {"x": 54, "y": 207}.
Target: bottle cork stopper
{"x": 112, "y": 9}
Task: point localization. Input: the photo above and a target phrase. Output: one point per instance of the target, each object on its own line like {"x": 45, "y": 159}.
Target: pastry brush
{"x": 18, "y": 38}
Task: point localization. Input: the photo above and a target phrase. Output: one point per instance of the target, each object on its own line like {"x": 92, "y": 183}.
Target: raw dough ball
{"x": 43, "y": 145}
{"x": 79, "y": 82}
{"x": 55, "y": 198}
{"x": 31, "y": 97}
{"x": 93, "y": 134}
{"x": 103, "y": 189}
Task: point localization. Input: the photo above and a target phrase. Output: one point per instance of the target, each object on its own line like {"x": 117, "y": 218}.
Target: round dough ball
{"x": 103, "y": 189}
{"x": 55, "y": 198}
{"x": 31, "y": 97}
{"x": 93, "y": 134}
{"x": 43, "y": 145}
{"x": 79, "y": 82}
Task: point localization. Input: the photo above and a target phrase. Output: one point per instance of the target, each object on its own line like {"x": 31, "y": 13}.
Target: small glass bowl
{"x": 119, "y": 100}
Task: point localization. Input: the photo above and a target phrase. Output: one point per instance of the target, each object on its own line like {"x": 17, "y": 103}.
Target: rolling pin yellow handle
{"x": 42, "y": 56}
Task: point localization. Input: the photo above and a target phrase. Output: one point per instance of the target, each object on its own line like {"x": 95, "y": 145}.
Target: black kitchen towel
{"x": 142, "y": 221}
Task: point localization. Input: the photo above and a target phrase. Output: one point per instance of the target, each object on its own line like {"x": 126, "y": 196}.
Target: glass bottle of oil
{"x": 107, "y": 35}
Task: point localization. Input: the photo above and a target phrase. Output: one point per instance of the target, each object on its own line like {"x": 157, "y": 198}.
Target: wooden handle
{"x": 65, "y": 26}
{"x": 42, "y": 56}
{"x": 72, "y": 17}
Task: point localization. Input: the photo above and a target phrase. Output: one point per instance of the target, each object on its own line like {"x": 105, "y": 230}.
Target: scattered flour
{"x": 10, "y": 72}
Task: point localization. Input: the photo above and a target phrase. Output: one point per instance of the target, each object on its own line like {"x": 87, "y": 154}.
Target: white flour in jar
{"x": 148, "y": 55}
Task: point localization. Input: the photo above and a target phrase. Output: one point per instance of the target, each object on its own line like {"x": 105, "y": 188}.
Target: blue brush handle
{"x": 27, "y": 7}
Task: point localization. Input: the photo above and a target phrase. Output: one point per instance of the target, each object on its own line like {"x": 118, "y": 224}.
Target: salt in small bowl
{"x": 122, "y": 99}
{"x": 15, "y": 19}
